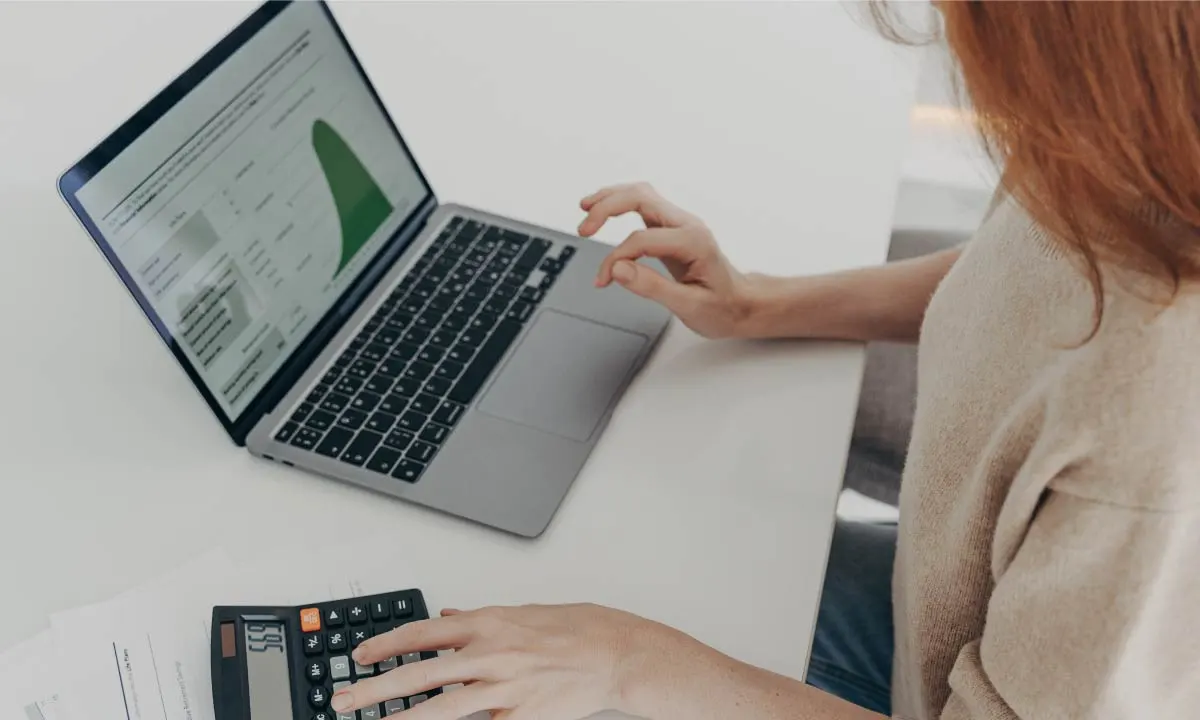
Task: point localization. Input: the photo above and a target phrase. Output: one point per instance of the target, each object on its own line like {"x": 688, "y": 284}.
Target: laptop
{"x": 267, "y": 216}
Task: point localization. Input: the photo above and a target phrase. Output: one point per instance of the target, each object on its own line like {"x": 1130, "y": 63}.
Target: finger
{"x": 652, "y": 285}
{"x": 450, "y": 612}
{"x": 661, "y": 243}
{"x": 461, "y": 703}
{"x": 634, "y": 198}
{"x": 440, "y": 634}
{"x": 408, "y": 680}
{"x": 590, "y": 200}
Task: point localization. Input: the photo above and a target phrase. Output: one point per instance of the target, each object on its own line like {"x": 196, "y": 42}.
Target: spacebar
{"x": 488, "y": 358}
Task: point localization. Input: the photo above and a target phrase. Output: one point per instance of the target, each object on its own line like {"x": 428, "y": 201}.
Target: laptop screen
{"x": 245, "y": 211}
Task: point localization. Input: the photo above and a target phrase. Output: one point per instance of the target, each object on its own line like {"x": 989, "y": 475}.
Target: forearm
{"x": 712, "y": 686}
{"x": 877, "y": 303}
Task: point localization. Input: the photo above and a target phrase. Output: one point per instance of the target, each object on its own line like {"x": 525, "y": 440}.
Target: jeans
{"x": 853, "y": 644}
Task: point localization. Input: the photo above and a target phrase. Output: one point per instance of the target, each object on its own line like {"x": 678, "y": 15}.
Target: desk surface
{"x": 713, "y": 491}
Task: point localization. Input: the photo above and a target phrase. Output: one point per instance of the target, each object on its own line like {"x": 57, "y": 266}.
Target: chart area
{"x": 362, "y": 207}
{"x": 250, "y": 206}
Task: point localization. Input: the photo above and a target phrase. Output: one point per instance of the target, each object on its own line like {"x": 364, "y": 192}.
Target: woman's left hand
{"x": 542, "y": 662}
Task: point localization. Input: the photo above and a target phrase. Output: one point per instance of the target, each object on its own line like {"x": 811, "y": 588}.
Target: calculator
{"x": 284, "y": 663}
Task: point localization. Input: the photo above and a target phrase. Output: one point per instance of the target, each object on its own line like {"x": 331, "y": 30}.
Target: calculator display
{"x": 267, "y": 669}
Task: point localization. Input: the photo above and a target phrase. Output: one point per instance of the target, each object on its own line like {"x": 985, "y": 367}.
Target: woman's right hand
{"x": 704, "y": 291}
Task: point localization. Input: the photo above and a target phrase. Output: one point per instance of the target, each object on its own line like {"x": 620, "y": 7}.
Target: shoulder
{"x": 1130, "y": 397}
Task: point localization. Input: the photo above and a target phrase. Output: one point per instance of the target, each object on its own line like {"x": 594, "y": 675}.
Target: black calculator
{"x": 273, "y": 663}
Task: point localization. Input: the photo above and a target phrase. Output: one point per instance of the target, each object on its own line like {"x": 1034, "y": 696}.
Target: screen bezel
{"x": 303, "y": 354}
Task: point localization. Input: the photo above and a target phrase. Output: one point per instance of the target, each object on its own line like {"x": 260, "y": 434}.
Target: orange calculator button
{"x": 310, "y": 620}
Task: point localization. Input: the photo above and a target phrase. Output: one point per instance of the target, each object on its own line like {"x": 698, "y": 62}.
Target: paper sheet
{"x": 28, "y": 681}
{"x": 145, "y": 655}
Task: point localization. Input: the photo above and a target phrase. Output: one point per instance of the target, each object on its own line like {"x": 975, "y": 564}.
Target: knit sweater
{"x": 1048, "y": 563}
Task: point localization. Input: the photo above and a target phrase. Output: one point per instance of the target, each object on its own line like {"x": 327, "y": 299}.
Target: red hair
{"x": 1092, "y": 111}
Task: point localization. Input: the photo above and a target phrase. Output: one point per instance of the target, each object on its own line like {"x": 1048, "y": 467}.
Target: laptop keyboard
{"x": 393, "y": 397}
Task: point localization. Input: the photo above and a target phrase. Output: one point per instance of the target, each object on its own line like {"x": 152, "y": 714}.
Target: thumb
{"x": 650, "y": 284}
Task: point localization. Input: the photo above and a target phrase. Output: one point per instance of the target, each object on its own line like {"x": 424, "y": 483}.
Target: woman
{"x": 1046, "y": 556}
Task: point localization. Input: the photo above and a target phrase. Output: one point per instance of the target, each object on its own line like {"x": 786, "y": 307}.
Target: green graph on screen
{"x": 361, "y": 205}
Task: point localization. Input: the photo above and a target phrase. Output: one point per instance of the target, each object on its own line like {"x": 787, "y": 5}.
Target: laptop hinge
{"x": 298, "y": 364}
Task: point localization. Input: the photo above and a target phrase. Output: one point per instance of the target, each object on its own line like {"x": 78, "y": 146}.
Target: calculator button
{"x": 389, "y": 664}
{"x": 363, "y": 670}
{"x": 379, "y": 610}
{"x": 337, "y": 641}
{"x": 370, "y": 713}
{"x": 358, "y": 636}
{"x": 335, "y": 617}
{"x": 322, "y": 716}
{"x": 410, "y": 658}
{"x": 318, "y": 697}
{"x": 314, "y": 644}
{"x": 417, "y": 700}
{"x": 391, "y": 707}
{"x": 402, "y": 608}
{"x": 358, "y": 614}
{"x": 339, "y": 668}
{"x": 315, "y": 672}
{"x": 348, "y": 715}
{"x": 310, "y": 620}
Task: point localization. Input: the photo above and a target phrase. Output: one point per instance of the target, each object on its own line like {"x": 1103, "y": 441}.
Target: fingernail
{"x": 622, "y": 272}
{"x": 342, "y": 701}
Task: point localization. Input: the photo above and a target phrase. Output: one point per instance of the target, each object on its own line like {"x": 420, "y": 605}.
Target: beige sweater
{"x": 1049, "y": 553}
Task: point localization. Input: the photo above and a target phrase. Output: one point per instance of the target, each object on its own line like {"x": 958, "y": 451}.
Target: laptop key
{"x": 392, "y": 367}
{"x": 302, "y": 412}
{"x": 471, "y": 338}
{"x": 321, "y": 420}
{"x": 436, "y": 386}
{"x": 381, "y": 422}
{"x": 352, "y": 419}
{"x": 533, "y": 254}
{"x": 383, "y": 460}
{"x": 408, "y": 471}
{"x": 495, "y": 305}
{"x": 286, "y": 432}
{"x": 520, "y": 311}
{"x": 434, "y": 434}
{"x": 422, "y": 452}
{"x": 335, "y": 442}
{"x": 361, "y": 369}
{"x": 460, "y": 353}
{"x": 430, "y": 354}
{"x": 484, "y": 321}
{"x": 393, "y": 404}
{"x": 449, "y": 370}
{"x": 485, "y": 361}
{"x": 448, "y": 413}
{"x": 453, "y": 324}
{"x": 506, "y": 290}
{"x": 416, "y": 336}
{"x": 387, "y": 336}
{"x": 406, "y": 387}
{"x": 412, "y": 421}
{"x": 374, "y": 352}
{"x": 378, "y": 384}
{"x": 334, "y": 403}
{"x": 532, "y": 294}
{"x": 365, "y": 401}
{"x": 398, "y": 439}
{"x": 418, "y": 371}
{"x": 362, "y": 447}
{"x": 306, "y": 438}
{"x": 348, "y": 385}
{"x": 424, "y": 404}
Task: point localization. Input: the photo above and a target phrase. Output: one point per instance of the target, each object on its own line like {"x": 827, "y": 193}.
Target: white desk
{"x": 712, "y": 493}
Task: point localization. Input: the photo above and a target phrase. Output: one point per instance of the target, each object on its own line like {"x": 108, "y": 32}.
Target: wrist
{"x": 665, "y": 677}
{"x": 757, "y": 307}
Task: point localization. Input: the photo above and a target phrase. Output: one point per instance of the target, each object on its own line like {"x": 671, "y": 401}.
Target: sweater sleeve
{"x": 1097, "y": 615}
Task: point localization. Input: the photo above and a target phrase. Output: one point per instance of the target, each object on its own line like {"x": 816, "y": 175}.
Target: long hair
{"x": 1092, "y": 112}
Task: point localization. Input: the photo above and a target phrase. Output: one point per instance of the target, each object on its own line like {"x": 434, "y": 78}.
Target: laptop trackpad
{"x": 563, "y": 375}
